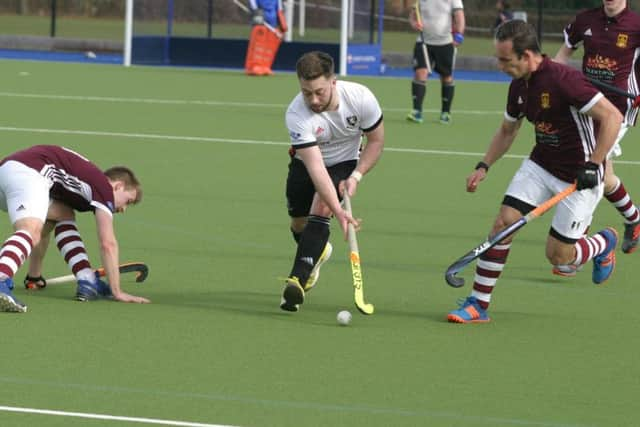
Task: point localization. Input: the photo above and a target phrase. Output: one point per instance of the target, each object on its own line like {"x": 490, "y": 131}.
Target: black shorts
{"x": 300, "y": 189}
{"x": 441, "y": 58}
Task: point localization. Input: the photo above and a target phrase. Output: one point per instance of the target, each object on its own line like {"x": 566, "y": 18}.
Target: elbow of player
{"x": 108, "y": 246}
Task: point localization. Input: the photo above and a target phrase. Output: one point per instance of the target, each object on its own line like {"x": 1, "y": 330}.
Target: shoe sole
{"x": 292, "y": 297}
{"x": 452, "y": 318}
{"x": 316, "y": 270}
{"x": 9, "y": 305}
{"x": 563, "y": 273}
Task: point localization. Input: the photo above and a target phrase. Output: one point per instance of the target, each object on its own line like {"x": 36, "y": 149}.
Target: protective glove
{"x": 258, "y": 17}
{"x": 587, "y": 176}
{"x": 34, "y": 283}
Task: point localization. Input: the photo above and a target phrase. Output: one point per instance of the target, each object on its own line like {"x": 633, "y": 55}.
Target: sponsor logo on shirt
{"x": 546, "y": 134}
{"x": 622, "y": 41}
{"x": 545, "y": 100}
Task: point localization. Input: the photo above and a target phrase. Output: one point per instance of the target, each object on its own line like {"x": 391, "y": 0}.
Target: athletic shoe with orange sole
{"x": 469, "y": 312}
{"x": 605, "y": 263}
{"x": 566, "y": 270}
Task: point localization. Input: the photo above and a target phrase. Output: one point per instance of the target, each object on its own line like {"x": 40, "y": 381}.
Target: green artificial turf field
{"x": 213, "y": 348}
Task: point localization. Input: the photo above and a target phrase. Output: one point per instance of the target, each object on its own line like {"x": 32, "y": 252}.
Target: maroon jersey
{"x": 74, "y": 180}
{"x": 554, "y": 100}
{"x": 611, "y": 50}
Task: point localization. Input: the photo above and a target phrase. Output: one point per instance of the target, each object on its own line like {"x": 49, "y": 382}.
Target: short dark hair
{"x": 315, "y": 64}
{"x": 126, "y": 175}
{"x": 522, "y": 35}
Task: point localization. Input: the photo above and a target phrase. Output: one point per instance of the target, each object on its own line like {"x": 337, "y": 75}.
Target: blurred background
{"x": 98, "y": 25}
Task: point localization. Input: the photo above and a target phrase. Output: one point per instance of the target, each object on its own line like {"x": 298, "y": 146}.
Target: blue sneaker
{"x": 88, "y": 291}
{"x": 605, "y": 263}
{"x": 7, "y": 301}
{"x": 415, "y": 116}
{"x": 469, "y": 312}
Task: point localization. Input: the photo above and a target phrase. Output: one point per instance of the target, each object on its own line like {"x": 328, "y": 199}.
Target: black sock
{"x": 313, "y": 239}
{"x": 418, "y": 92}
{"x": 448, "y": 90}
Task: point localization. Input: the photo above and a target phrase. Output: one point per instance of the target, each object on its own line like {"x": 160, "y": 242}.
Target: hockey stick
{"x": 266, "y": 24}
{"x": 456, "y": 267}
{"x": 422, "y": 43}
{"x": 617, "y": 91}
{"x": 141, "y": 270}
{"x": 356, "y": 270}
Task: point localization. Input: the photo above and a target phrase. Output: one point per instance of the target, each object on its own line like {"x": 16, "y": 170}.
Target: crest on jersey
{"x": 352, "y": 120}
{"x": 622, "y": 41}
{"x": 545, "y": 100}
{"x": 294, "y": 135}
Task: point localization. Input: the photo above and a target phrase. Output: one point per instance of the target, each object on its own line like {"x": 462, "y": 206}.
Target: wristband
{"x": 356, "y": 175}
{"x": 482, "y": 165}
{"x": 458, "y": 38}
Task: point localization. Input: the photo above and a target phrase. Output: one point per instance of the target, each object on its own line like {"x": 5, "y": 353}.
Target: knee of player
{"x": 298, "y": 224}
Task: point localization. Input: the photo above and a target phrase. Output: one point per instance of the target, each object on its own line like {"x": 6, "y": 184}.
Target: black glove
{"x": 258, "y": 17}
{"x": 34, "y": 283}
{"x": 587, "y": 176}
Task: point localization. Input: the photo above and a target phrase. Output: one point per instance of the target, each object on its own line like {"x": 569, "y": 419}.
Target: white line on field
{"x": 107, "y": 417}
{"x": 198, "y": 102}
{"x": 250, "y": 141}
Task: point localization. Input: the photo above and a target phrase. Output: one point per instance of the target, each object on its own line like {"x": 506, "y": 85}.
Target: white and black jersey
{"x": 437, "y": 18}
{"x": 337, "y": 133}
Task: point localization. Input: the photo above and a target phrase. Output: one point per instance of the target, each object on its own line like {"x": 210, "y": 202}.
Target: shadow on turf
{"x": 261, "y": 304}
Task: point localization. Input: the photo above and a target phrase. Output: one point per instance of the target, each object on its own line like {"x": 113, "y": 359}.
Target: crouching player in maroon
{"x": 45, "y": 176}
{"x": 564, "y": 109}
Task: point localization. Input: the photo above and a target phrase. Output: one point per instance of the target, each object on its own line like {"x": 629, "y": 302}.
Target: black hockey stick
{"x": 617, "y": 91}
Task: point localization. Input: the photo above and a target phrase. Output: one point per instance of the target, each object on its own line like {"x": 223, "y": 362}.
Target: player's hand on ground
{"x": 34, "y": 283}
{"x": 125, "y": 297}
{"x": 474, "y": 179}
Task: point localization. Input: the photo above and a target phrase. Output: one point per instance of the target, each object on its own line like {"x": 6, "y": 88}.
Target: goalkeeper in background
{"x": 269, "y": 24}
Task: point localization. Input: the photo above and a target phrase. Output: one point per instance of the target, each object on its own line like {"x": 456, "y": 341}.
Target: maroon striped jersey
{"x": 554, "y": 99}
{"x": 74, "y": 180}
{"x": 611, "y": 50}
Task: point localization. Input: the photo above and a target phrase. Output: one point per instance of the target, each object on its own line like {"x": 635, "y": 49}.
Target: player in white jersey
{"x": 326, "y": 122}
{"x": 440, "y": 24}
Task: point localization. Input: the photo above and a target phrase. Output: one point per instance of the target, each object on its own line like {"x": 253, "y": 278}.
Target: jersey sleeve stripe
{"x": 375, "y": 125}
{"x": 305, "y": 145}
{"x": 589, "y": 105}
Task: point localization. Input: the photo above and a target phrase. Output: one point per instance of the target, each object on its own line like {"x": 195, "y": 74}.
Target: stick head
{"x": 452, "y": 280}
{"x": 142, "y": 273}
{"x": 365, "y": 308}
